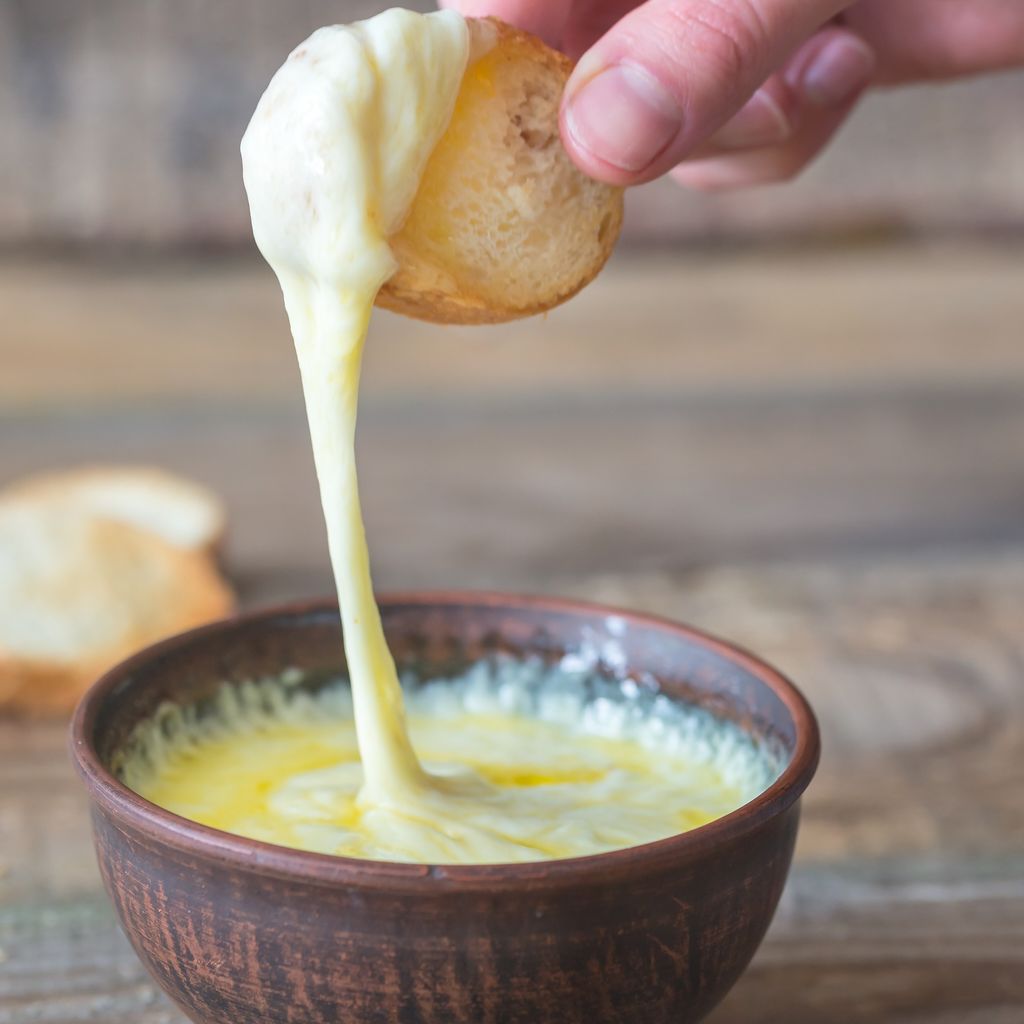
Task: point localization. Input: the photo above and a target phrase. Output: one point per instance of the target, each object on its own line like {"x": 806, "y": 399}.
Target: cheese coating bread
{"x": 504, "y": 225}
{"x": 94, "y": 565}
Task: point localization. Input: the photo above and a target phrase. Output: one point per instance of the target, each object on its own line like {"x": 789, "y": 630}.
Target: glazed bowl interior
{"x": 439, "y": 636}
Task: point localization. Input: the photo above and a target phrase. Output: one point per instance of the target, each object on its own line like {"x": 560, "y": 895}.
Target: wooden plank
{"x": 68, "y": 963}
{"x": 914, "y": 664}
{"x": 655, "y": 325}
{"x": 780, "y": 416}
{"x": 843, "y": 947}
{"x": 906, "y": 904}
{"x": 902, "y": 943}
{"x": 122, "y": 121}
{"x": 501, "y": 493}
{"x": 610, "y": 452}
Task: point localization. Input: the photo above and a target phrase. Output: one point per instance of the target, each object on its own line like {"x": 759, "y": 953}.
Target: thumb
{"x": 672, "y": 72}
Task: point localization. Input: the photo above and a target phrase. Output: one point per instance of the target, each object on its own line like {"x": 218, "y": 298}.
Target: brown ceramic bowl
{"x": 243, "y": 932}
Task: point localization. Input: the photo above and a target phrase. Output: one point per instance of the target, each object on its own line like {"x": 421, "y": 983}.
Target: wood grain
{"x": 906, "y": 902}
{"x": 122, "y": 121}
{"x": 812, "y": 402}
{"x": 816, "y": 455}
{"x": 88, "y": 334}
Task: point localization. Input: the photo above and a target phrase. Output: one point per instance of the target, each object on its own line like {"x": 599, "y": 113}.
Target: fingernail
{"x": 623, "y": 116}
{"x": 838, "y": 71}
{"x": 759, "y": 122}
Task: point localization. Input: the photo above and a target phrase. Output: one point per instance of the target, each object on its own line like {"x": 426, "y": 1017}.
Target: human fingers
{"x": 670, "y": 73}
{"x": 591, "y": 19}
{"x": 823, "y": 82}
{"x": 933, "y": 39}
{"x": 768, "y": 165}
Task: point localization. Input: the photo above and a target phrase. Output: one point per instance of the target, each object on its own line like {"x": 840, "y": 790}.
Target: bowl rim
{"x": 165, "y": 828}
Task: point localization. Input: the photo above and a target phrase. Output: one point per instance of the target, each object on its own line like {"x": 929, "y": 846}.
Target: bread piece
{"x": 182, "y": 512}
{"x": 79, "y": 593}
{"x": 504, "y": 225}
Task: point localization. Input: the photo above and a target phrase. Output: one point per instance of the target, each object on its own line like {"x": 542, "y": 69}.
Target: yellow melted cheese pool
{"x": 533, "y": 763}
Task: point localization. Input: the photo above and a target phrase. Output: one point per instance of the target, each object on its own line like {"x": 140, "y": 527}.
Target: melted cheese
{"x": 332, "y": 160}
{"x": 527, "y": 762}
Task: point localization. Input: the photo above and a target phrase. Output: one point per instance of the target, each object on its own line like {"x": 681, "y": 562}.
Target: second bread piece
{"x": 79, "y": 593}
{"x": 504, "y": 225}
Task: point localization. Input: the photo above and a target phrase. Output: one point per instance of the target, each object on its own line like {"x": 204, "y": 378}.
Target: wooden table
{"x": 818, "y": 455}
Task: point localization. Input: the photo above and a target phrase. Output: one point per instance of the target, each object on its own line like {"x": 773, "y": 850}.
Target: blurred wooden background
{"x": 793, "y": 416}
{"x": 121, "y": 121}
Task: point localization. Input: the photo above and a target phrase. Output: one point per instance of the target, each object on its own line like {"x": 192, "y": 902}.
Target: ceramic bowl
{"x": 242, "y": 932}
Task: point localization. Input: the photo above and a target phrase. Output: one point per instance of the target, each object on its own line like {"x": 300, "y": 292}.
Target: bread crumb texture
{"x": 89, "y": 574}
{"x": 504, "y": 225}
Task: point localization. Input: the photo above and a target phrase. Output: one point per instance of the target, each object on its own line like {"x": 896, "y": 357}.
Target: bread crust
{"x": 465, "y": 308}
{"x": 70, "y": 485}
{"x": 163, "y": 589}
{"x": 38, "y": 686}
{"x": 412, "y": 293}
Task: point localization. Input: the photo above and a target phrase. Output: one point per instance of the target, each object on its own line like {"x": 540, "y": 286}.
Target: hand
{"x": 728, "y": 93}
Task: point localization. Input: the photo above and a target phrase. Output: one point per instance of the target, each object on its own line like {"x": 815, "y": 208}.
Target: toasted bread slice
{"x": 504, "y": 225}
{"x": 182, "y": 512}
{"x": 79, "y": 592}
